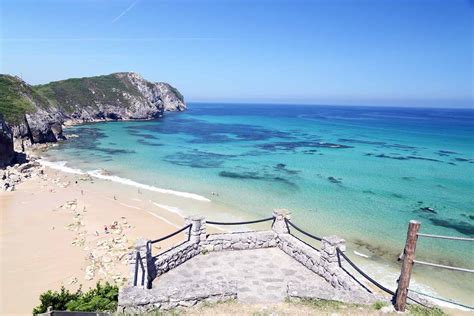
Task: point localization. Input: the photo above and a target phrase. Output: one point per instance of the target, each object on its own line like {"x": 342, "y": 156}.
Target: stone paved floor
{"x": 261, "y": 275}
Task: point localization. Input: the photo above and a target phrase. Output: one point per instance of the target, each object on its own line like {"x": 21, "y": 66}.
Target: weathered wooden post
{"x": 407, "y": 266}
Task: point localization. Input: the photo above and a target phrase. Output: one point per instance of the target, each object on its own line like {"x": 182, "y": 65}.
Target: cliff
{"x": 7, "y": 154}
{"x": 37, "y": 113}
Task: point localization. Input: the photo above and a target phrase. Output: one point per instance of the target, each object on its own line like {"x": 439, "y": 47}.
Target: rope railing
{"x": 445, "y": 237}
{"x": 352, "y": 264}
{"x": 442, "y": 266}
{"x": 241, "y": 223}
{"x": 150, "y": 242}
{"x": 300, "y": 230}
{"x": 288, "y": 223}
{"x": 436, "y": 265}
{"x": 409, "y": 261}
{"x": 170, "y": 235}
{"x": 138, "y": 261}
{"x": 380, "y": 286}
{"x": 442, "y": 299}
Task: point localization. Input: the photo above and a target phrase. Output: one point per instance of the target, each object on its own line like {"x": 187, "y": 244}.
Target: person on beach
{"x": 114, "y": 225}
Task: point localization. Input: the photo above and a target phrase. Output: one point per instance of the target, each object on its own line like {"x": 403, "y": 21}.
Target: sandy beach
{"x": 52, "y": 233}
{"x": 64, "y": 229}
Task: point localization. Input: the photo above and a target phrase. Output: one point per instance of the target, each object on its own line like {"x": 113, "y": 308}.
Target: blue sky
{"x": 374, "y": 52}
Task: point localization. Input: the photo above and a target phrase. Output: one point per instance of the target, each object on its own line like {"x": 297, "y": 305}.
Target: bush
{"x": 58, "y": 300}
{"x": 101, "y": 298}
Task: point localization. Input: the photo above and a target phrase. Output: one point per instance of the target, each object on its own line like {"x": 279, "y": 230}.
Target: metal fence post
{"x": 407, "y": 266}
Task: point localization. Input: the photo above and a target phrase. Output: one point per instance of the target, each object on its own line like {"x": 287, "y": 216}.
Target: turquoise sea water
{"x": 359, "y": 172}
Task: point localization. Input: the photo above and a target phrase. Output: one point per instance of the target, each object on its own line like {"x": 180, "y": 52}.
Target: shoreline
{"x": 53, "y": 234}
{"x": 149, "y": 211}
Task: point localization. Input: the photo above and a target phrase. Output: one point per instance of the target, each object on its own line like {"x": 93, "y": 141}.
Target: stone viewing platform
{"x": 252, "y": 267}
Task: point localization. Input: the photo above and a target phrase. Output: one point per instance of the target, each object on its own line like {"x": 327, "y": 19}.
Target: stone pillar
{"x": 279, "y": 225}
{"x": 330, "y": 260}
{"x": 328, "y": 248}
{"x": 141, "y": 265}
{"x": 198, "y": 228}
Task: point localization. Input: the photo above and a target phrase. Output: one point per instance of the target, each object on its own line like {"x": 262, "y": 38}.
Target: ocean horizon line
{"x": 310, "y": 104}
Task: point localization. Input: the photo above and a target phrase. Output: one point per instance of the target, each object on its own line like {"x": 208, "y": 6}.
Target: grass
{"x": 418, "y": 310}
{"x": 301, "y": 307}
{"x": 379, "y": 305}
{"x": 16, "y": 99}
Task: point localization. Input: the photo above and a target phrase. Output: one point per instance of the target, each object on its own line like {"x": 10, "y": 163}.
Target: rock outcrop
{"x": 172, "y": 99}
{"x": 38, "y": 113}
{"x": 14, "y": 175}
{"x": 7, "y": 154}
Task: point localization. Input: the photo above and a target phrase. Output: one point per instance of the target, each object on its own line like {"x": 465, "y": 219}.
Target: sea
{"x": 360, "y": 172}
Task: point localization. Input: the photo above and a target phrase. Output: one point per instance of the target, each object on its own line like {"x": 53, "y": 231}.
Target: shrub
{"x": 101, "y": 298}
{"x": 58, "y": 300}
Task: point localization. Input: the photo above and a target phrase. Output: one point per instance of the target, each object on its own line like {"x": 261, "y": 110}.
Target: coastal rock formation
{"x": 43, "y": 127}
{"x": 7, "y": 154}
{"x": 14, "y": 175}
{"x": 38, "y": 113}
{"x": 172, "y": 99}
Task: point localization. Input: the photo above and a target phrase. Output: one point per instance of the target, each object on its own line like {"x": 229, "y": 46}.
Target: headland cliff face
{"x": 37, "y": 114}
{"x": 7, "y": 154}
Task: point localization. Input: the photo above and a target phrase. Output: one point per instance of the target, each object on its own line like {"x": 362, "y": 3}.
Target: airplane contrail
{"x": 125, "y": 11}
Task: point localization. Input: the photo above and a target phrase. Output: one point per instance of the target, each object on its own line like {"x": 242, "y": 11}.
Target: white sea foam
{"x": 172, "y": 209}
{"x": 163, "y": 219}
{"x": 61, "y": 165}
{"x": 129, "y": 206}
{"x": 361, "y": 254}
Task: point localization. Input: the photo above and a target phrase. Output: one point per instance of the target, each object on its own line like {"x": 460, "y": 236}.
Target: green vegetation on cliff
{"x": 18, "y": 99}
{"x": 66, "y": 94}
{"x": 123, "y": 90}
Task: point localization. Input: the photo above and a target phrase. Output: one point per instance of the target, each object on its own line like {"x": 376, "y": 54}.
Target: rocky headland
{"x": 7, "y": 154}
{"x": 31, "y": 115}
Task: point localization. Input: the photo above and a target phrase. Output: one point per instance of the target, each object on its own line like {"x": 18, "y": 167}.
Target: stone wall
{"x": 135, "y": 300}
{"x": 239, "y": 241}
{"x": 324, "y": 262}
{"x": 150, "y": 267}
{"x": 180, "y": 254}
{"x": 174, "y": 257}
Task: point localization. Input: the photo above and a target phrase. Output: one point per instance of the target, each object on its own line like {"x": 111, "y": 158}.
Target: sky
{"x": 370, "y": 52}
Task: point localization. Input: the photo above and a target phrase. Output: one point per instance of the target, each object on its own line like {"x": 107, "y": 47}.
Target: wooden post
{"x": 407, "y": 266}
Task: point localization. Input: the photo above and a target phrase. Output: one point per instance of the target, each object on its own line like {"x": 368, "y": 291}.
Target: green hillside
{"x": 66, "y": 94}
{"x": 18, "y": 98}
